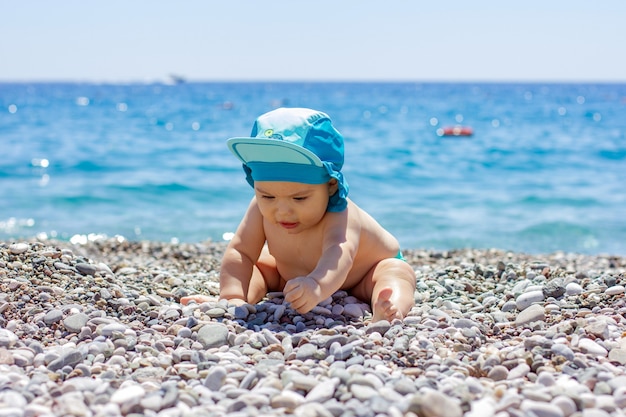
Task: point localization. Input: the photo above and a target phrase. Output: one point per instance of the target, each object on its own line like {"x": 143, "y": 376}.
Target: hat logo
{"x": 269, "y": 133}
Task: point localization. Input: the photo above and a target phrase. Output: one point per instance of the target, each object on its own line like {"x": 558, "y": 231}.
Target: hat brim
{"x": 271, "y": 151}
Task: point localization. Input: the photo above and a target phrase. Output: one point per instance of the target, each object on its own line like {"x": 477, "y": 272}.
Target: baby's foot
{"x": 198, "y": 298}
{"x": 383, "y": 308}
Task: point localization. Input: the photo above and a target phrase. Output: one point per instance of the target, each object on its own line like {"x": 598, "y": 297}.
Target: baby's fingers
{"x": 198, "y": 298}
{"x": 293, "y": 294}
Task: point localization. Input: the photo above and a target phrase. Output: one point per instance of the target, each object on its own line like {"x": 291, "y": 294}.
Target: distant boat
{"x": 177, "y": 79}
{"x": 455, "y": 131}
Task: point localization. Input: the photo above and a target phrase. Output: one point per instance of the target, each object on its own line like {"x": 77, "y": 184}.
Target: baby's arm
{"x": 240, "y": 256}
{"x": 341, "y": 239}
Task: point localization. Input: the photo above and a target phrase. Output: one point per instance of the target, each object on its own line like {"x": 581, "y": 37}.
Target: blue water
{"x": 543, "y": 172}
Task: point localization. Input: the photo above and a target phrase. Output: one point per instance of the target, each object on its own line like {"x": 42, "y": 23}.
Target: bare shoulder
{"x": 374, "y": 238}
{"x": 364, "y": 219}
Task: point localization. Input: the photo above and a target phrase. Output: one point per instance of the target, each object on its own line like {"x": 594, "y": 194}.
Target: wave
{"x": 614, "y": 155}
{"x": 557, "y": 235}
{"x": 534, "y": 200}
{"x": 155, "y": 189}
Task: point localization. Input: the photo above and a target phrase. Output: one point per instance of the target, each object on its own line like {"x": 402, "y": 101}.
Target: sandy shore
{"x": 97, "y": 330}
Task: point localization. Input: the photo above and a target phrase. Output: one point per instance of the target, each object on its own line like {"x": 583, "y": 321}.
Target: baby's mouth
{"x": 288, "y": 225}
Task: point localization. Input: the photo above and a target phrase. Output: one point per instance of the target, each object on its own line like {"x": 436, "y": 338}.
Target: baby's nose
{"x": 283, "y": 208}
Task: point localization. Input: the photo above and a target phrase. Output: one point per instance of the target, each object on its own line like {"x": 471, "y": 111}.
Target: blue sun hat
{"x": 294, "y": 145}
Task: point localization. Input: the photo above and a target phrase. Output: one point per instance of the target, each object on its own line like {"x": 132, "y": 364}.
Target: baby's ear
{"x": 332, "y": 186}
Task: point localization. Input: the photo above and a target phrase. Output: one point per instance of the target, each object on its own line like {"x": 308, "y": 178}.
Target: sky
{"x": 322, "y": 40}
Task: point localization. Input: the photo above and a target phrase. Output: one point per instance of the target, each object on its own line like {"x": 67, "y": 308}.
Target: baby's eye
{"x": 300, "y": 198}
{"x": 267, "y": 197}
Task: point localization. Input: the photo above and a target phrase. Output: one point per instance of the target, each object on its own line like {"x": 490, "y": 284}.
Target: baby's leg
{"x": 390, "y": 286}
{"x": 265, "y": 277}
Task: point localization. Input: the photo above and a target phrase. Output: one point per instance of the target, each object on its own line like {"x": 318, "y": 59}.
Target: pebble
{"x": 529, "y": 298}
{"x": 532, "y": 313}
{"x": 7, "y": 338}
{"x": 573, "y": 288}
{"x": 563, "y": 350}
{"x": 75, "y": 322}
{"x": 213, "y": 335}
{"x": 618, "y": 355}
{"x": 615, "y": 290}
{"x": 540, "y": 409}
{"x": 498, "y": 373}
{"x": 565, "y": 404}
{"x": 216, "y": 377}
{"x": 589, "y": 346}
{"x": 520, "y": 371}
{"x": 18, "y": 248}
{"x": 96, "y": 329}
{"x": 435, "y": 404}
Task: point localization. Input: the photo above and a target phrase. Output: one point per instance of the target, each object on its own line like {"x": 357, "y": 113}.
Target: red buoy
{"x": 455, "y": 131}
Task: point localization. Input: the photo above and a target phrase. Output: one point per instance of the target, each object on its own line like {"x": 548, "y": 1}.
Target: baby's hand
{"x": 303, "y": 293}
{"x": 197, "y": 298}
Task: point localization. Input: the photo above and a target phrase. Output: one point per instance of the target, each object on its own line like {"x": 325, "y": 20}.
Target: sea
{"x": 544, "y": 170}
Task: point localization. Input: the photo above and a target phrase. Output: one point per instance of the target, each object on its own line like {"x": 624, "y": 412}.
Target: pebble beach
{"x": 96, "y": 329}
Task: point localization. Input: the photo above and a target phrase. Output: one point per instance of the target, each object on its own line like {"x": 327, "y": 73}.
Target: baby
{"x": 301, "y": 234}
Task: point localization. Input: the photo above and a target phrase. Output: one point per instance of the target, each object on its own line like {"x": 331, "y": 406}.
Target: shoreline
{"x": 96, "y": 329}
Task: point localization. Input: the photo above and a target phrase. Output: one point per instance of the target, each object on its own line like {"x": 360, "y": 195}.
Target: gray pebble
{"x": 434, "y": 404}
{"x": 563, "y": 350}
{"x": 53, "y": 316}
{"x": 352, "y": 310}
{"x": 535, "y": 312}
{"x": 498, "y": 373}
{"x": 527, "y": 299}
{"x": 379, "y": 327}
{"x": 215, "y": 378}
{"x": 306, "y": 351}
{"x": 241, "y": 312}
{"x": 554, "y": 288}
{"x": 7, "y": 338}
{"x": 69, "y": 358}
{"x": 363, "y": 392}
{"x": 510, "y": 305}
{"x": 213, "y": 335}
{"x": 323, "y": 392}
{"x": 541, "y": 409}
{"x": 546, "y": 379}
{"x": 86, "y": 269}
{"x": 74, "y": 323}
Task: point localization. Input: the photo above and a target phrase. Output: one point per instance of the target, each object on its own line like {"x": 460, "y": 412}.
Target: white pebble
{"x": 565, "y": 403}
{"x": 615, "y": 290}
{"x": 589, "y": 346}
{"x": 18, "y": 248}
{"x": 529, "y": 298}
{"x": 573, "y": 289}
{"x": 130, "y": 394}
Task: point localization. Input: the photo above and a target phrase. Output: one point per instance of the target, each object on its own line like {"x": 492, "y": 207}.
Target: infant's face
{"x": 292, "y": 206}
